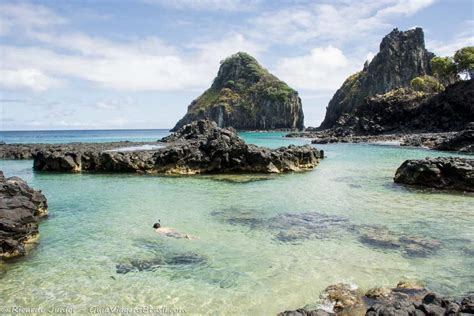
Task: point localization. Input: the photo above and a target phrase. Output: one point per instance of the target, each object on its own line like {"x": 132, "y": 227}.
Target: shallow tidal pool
{"x": 264, "y": 244}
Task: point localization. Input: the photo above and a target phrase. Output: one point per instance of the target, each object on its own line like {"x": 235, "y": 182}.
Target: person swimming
{"x": 170, "y": 232}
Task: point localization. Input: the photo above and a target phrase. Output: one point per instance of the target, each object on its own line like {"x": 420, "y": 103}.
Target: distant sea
{"x": 84, "y": 136}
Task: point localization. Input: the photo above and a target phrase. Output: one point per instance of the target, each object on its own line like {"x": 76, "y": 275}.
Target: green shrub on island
{"x": 464, "y": 59}
{"x": 449, "y": 69}
{"x": 427, "y": 84}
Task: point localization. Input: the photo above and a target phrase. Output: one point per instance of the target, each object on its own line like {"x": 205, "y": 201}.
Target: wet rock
{"x": 200, "y": 147}
{"x": 450, "y": 173}
{"x": 21, "y": 208}
{"x": 343, "y": 296}
{"x": 408, "y": 298}
{"x": 305, "y": 312}
{"x": 137, "y": 265}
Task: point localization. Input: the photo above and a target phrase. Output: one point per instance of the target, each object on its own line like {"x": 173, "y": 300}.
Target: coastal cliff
{"x": 245, "y": 96}
{"x": 401, "y": 58}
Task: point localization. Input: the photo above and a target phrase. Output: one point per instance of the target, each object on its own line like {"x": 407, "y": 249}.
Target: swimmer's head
{"x": 156, "y": 225}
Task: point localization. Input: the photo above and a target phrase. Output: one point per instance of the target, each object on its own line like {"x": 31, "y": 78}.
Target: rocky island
{"x": 398, "y": 96}
{"x": 21, "y": 208}
{"x": 199, "y": 147}
{"x": 245, "y": 96}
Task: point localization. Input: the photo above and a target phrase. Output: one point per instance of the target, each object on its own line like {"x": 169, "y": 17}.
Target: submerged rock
{"x": 287, "y": 227}
{"x": 450, "y": 173}
{"x": 200, "y": 147}
{"x": 138, "y": 265}
{"x": 246, "y": 96}
{"x": 21, "y": 208}
{"x": 411, "y": 246}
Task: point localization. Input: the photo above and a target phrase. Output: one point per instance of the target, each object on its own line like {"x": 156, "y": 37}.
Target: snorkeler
{"x": 170, "y": 232}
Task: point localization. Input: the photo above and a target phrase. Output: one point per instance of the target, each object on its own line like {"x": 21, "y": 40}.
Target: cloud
{"x": 29, "y": 78}
{"x": 338, "y": 21}
{"x": 24, "y": 16}
{"x": 114, "y": 104}
{"x": 324, "y": 68}
{"x": 140, "y": 65}
{"x": 462, "y": 39}
{"x": 208, "y": 5}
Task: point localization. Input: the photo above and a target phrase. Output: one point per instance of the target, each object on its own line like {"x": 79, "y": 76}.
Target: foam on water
{"x": 136, "y": 148}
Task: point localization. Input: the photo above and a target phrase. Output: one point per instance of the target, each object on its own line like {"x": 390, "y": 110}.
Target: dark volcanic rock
{"x": 406, "y": 299}
{"x": 462, "y": 141}
{"x": 401, "y": 58}
{"x": 246, "y": 96}
{"x": 21, "y": 207}
{"x": 451, "y": 173}
{"x": 27, "y": 151}
{"x": 199, "y": 147}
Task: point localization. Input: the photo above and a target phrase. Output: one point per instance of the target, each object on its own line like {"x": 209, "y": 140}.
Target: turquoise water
{"x": 85, "y": 136}
{"x": 243, "y": 264}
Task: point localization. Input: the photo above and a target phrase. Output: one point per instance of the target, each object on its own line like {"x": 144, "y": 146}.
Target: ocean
{"x": 265, "y": 243}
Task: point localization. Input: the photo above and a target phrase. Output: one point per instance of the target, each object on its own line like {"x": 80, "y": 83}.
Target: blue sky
{"x": 138, "y": 64}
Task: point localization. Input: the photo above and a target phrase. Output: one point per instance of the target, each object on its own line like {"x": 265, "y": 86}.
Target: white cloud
{"x": 448, "y": 48}
{"x": 338, "y": 21}
{"x": 208, "y": 5}
{"x": 24, "y": 16}
{"x": 142, "y": 65}
{"x": 28, "y": 78}
{"x": 324, "y": 68}
{"x": 114, "y": 104}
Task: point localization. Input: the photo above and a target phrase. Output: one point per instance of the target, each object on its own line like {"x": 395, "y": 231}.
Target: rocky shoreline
{"x": 21, "y": 208}
{"x": 199, "y": 147}
{"x": 407, "y": 298}
{"x": 462, "y": 141}
{"x": 27, "y": 151}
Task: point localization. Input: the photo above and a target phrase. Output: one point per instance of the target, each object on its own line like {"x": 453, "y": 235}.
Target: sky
{"x": 116, "y": 64}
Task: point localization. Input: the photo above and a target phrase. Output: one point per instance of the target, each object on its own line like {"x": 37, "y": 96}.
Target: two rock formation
{"x": 245, "y": 96}
{"x": 21, "y": 208}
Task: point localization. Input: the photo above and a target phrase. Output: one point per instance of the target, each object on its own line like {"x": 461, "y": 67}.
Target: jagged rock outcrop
{"x": 21, "y": 207}
{"x": 245, "y": 96}
{"x": 406, "y": 111}
{"x": 407, "y": 298}
{"x": 401, "y": 58}
{"x": 199, "y": 147}
{"x": 450, "y": 173}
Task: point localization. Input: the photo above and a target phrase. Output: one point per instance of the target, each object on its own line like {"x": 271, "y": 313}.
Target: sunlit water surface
{"x": 98, "y": 221}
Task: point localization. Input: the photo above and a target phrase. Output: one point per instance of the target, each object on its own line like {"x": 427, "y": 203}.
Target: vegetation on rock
{"x": 428, "y": 84}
